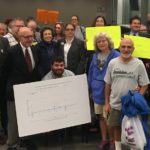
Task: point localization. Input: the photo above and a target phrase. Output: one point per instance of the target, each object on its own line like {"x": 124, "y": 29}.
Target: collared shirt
{"x": 134, "y": 33}
{"x": 67, "y": 46}
{"x": 12, "y": 41}
{"x": 30, "y": 53}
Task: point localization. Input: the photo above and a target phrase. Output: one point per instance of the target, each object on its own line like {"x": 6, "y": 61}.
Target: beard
{"x": 58, "y": 74}
{"x": 126, "y": 56}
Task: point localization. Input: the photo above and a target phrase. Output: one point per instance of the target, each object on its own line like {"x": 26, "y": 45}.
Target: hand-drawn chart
{"x": 53, "y": 104}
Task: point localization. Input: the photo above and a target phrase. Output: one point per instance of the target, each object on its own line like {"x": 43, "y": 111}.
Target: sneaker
{"x": 111, "y": 145}
{"x": 102, "y": 144}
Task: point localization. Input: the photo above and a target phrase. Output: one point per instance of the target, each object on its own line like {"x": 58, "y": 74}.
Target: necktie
{"x": 28, "y": 60}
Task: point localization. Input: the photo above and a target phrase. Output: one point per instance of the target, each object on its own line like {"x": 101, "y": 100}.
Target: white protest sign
{"x": 52, "y": 104}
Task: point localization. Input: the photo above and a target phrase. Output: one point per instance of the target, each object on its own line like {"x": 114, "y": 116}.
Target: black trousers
{"x": 3, "y": 113}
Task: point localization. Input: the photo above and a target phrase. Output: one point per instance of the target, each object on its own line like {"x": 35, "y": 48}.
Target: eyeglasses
{"x": 58, "y": 27}
{"x": 19, "y": 26}
{"x": 126, "y": 47}
{"x": 74, "y": 19}
{"x": 144, "y": 30}
{"x": 27, "y": 37}
{"x": 69, "y": 29}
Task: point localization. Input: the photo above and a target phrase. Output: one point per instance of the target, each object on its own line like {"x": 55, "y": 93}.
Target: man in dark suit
{"x": 72, "y": 50}
{"x": 4, "y": 45}
{"x": 148, "y": 23}
{"x": 20, "y": 67}
{"x": 135, "y": 24}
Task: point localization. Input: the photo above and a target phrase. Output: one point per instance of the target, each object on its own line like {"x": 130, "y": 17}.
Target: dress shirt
{"x": 67, "y": 46}
{"x": 30, "y": 52}
{"x": 134, "y": 33}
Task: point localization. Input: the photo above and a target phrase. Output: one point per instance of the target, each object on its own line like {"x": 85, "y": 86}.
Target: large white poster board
{"x": 52, "y": 104}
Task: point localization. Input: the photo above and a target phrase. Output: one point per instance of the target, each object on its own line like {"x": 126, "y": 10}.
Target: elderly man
{"x": 12, "y": 35}
{"x": 135, "y": 25}
{"x": 31, "y": 23}
{"x": 124, "y": 73}
{"x": 20, "y": 67}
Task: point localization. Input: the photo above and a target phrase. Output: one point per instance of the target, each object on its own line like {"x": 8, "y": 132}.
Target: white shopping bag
{"x": 132, "y": 133}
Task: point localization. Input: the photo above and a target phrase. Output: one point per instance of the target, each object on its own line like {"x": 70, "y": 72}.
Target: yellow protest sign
{"x": 142, "y": 46}
{"x": 113, "y": 31}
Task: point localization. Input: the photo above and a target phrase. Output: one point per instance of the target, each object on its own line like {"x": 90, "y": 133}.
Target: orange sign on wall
{"x": 47, "y": 16}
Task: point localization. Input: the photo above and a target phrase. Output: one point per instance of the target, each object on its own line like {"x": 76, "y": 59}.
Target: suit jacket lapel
{"x": 73, "y": 44}
{"x": 22, "y": 57}
{"x": 62, "y": 43}
{"x": 34, "y": 54}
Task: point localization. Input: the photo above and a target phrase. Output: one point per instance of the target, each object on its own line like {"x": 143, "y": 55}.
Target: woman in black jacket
{"x": 46, "y": 50}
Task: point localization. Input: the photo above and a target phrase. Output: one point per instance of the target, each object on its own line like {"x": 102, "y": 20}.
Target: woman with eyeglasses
{"x": 104, "y": 52}
{"x": 72, "y": 50}
{"x": 46, "y": 50}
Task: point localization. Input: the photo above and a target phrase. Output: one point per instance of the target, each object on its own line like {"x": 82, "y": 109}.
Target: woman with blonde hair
{"x": 104, "y": 52}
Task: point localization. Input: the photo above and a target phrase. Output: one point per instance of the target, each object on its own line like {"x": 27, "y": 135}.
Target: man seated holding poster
{"x": 58, "y": 70}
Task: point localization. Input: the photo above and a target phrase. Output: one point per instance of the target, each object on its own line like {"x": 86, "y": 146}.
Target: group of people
{"x": 29, "y": 54}
{"x": 111, "y": 76}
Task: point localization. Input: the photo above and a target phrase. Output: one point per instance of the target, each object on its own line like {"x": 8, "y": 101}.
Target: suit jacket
{"x": 15, "y": 70}
{"x": 4, "y": 46}
{"x": 46, "y": 53}
{"x": 140, "y": 34}
{"x": 76, "y": 55}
